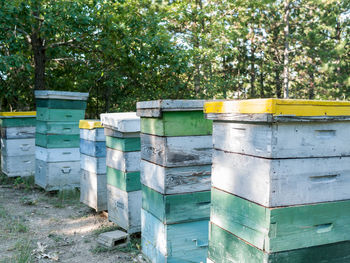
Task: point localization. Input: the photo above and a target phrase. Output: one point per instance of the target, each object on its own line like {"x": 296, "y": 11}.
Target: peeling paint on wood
{"x": 17, "y": 147}
{"x": 96, "y": 135}
{"x": 93, "y": 164}
{"x": 57, "y": 154}
{"x": 18, "y": 132}
{"x": 92, "y": 148}
{"x": 124, "y": 161}
{"x": 14, "y": 166}
{"x": 127, "y": 182}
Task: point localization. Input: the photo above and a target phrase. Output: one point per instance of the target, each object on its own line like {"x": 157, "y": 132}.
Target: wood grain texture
{"x": 126, "y": 122}
{"x": 123, "y": 144}
{"x": 176, "y": 180}
{"x": 18, "y": 147}
{"x": 92, "y": 148}
{"x": 226, "y": 247}
{"x": 17, "y": 122}
{"x": 45, "y": 114}
{"x": 61, "y": 104}
{"x": 185, "y": 123}
{"x": 57, "y": 141}
{"x": 127, "y": 182}
{"x": 93, "y": 190}
{"x": 283, "y": 140}
{"x": 14, "y": 166}
{"x": 171, "y": 209}
{"x": 93, "y": 164}
{"x": 18, "y": 132}
{"x": 49, "y": 127}
{"x": 124, "y": 208}
{"x": 61, "y": 95}
{"x": 124, "y": 161}
{"x": 185, "y": 242}
{"x": 176, "y": 151}
{"x": 96, "y": 135}
{"x": 57, "y": 175}
{"x": 109, "y": 131}
{"x": 282, "y": 182}
{"x": 283, "y": 228}
{"x": 57, "y": 154}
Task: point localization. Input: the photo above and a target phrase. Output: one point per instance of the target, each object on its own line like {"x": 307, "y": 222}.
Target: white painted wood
{"x": 57, "y": 154}
{"x": 18, "y": 132}
{"x": 175, "y": 180}
{"x": 93, "y": 164}
{"x": 63, "y": 95}
{"x": 156, "y": 107}
{"x": 109, "y": 131}
{"x": 57, "y": 175}
{"x": 124, "y": 208}
{"x": 176, "y": 151}
{"x": 283, "y": 140}
{"x": 124, "y": 161}
{"x": 122, "y": 122}
{"x": 282, "y": 182}
{"x": 96, "y": 135}
{"x": 93, "y": 190}
{"x": 209, "y": 260}
{"x": 18, "y": 147}
{"x": 13, "y": 166}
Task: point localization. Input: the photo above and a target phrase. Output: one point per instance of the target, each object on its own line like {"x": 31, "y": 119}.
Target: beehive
{"x": 122, "y": 132}
{"x": 280, "y": 181}
{"x": 176, "y": 147}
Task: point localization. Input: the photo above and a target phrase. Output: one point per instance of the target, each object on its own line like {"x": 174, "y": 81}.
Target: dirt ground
{"x": 41, "y": 227}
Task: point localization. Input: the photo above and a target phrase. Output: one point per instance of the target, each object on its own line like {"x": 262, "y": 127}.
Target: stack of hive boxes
{"x": 281, "y": 180}
{"x": 57, "y": 138}
{"x": 122, "y": 132}
{"x": 93, "y": 180}
{"x": 176, "y": 148}
{"x": 17, "y": 143}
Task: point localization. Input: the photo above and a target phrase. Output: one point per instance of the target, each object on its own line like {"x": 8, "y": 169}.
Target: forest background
{"x": 124, "y": 51}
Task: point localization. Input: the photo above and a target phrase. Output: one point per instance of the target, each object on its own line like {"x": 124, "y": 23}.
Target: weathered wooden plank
{"x": 109, "y": 131}
{"x": 17, "y": 122}
{"x": 18, "y": 132}
{"x": 176, "y": 151}
{"x": 93, "y": 164}
{"x": 96, "y": 135}
{"x": 282, "y": 182}
{"x": 64, "y": 115}
{"x": 92, "y": 148}
{"x": 57, "y": 154}
{"x": 57, "y": 175}
{"x": 184, "y": 242}
{"x": 49, "y": 127}
{"x": 124, "y": 161}
{"x": 127, "y": 182}
{"x": 155, "y": 108}
{"x": 93, "y": 190}
{"x": 124, "y": 144}
{"x": 283, "y": 140}
{"x": 282, "y": 228}
{"x": 57, "y": 141}
{"x": 226, "y": 247}
{"x": 18, "y": 147}
{"x": 61, "y": 95}
{"x": 175, "y": 180}
{"x": 14, "y": 166}
{"x": 124, "y": 208}
{"x": 122, "y": 122}
{"x": 61, "y": 104}
{"x": 185, "y": 123}
{"x": 171, "y": 209}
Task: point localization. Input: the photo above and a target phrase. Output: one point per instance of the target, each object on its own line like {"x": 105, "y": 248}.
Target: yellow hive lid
{"x": 90, "y": 124}
{"x": 18, "y": 114}
{"x": 279, "y": 107}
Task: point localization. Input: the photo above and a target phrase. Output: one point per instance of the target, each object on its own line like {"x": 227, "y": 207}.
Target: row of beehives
{"x": 280, "y": 183}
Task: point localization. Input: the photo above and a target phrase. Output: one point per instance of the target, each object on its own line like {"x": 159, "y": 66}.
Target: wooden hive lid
{"x": 90, "y": 124}
{"x": 61, "y": 95}
{"x": 122, "y": 122}
{"x": 18, "y": 114}
{"x": 277, "y": 109}
{"x": 155, "y": 108}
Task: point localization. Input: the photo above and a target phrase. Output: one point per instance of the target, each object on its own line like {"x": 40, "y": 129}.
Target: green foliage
{"x": 124, "y": 51}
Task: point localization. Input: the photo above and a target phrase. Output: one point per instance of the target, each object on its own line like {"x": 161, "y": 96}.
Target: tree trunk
{"x": 278, "y": 82}
{"x": 39, "y": 62}
{"x": 252, "y": 72}
{"x": 262, "y": 89}
{"x": 286, "y": 49}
